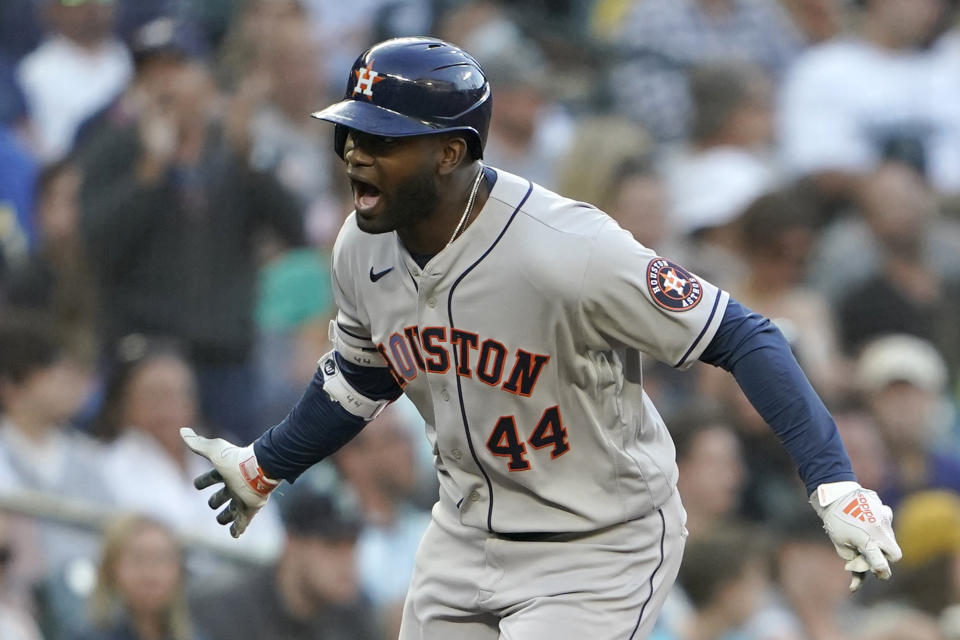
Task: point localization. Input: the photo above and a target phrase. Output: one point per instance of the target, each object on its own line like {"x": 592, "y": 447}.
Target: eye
{"x": 372, "y": 143}
{"x": 381, "y": 145}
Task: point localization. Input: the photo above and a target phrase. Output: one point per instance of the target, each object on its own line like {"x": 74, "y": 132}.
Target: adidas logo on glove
{"x": 860, "y": 509}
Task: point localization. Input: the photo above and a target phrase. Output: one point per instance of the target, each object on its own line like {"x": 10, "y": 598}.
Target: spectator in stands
{"x": 55, "y": 278}
{"x": 896, "y": 209}
{"x": 818, "y": 20}
{"x": 893, "y": 622}
{"x": 712, "y": 473}
{"x": 600, "y": 145}
{"x": 724, "y": 167}
{"x": 76, "y": 71}
{"x": 850, "y": 103}
{"x": 776, "y": 236}
{"x": 159, "y": 50}
{"x": 380, "y": 466}
{"x": 811, "y": 599}
{"x": 272, "y": 104}
{"x": 529, "y": 131}
{"x": 40, "y": 389}
{"x": 170, "y": 217}
{"x": 636, "y": 198}
{"x": 774, "y": 491}
{"x": 663, "y": 39}
{"x": 140, "y": 591}
{"x": 202, "y": 24}
{"x": 252, "y": 28}
{"x": 486, "y": 28}
{"x": 903, "y": 378}
{"x": 861, "y": 438}
{"x": 16, "y": 620}
{"x": 149, "y": 395}
{"x": 724, "y": 577}
{"x": 928, "y": 525}
{"x": 313, "y": 590}
{"x": 912, "y": 285}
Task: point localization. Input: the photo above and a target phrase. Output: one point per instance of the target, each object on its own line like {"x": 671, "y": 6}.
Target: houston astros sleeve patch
{"x": 671, "y": 286}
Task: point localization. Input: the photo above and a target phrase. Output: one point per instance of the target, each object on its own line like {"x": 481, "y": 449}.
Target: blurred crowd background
{"x": 167, "y": 209}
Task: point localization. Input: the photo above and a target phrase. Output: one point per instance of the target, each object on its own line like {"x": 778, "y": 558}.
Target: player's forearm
{"x": 753, "y": 349}
{"x": 314, "y": 429}
{"x": 319, "y": 425}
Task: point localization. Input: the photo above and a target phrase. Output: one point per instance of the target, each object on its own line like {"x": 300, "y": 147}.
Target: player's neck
{"x": 432, "y": 233}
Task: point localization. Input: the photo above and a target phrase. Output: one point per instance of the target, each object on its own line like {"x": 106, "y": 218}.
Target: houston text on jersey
{"x": 436, "y": 349}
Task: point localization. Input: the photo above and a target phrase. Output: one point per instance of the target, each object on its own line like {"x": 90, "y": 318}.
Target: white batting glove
{"x": 244, "y": 483}
{"x": 860, "y": 527}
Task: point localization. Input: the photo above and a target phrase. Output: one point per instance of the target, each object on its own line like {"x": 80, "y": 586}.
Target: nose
{"x": 353, "y": 153}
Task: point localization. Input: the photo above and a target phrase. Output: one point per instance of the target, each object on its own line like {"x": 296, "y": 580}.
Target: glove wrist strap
{"x": 830, "y": 492}
{"x": 255, "y": 478}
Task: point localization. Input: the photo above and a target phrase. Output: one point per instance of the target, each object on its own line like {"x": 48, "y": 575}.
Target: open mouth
{"x": 365, "y": 195}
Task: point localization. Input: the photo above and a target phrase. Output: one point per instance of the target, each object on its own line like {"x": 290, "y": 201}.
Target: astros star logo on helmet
{"x": 366, "y": 78}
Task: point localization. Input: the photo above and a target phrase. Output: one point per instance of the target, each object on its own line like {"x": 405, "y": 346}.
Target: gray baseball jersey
{"x": 520, "y": 345}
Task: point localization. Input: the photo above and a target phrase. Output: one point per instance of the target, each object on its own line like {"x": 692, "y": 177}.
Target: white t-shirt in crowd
{"x": 64, "y": 84}
{"x": 844, "y": 102}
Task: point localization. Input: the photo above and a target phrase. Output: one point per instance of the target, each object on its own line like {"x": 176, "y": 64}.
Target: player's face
{"x": 393, "y": 179}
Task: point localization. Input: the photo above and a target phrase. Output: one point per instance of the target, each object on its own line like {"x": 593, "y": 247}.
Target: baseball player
{"x": 515, "y": 320}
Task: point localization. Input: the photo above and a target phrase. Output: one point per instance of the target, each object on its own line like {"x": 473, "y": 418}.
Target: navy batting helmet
{"x": 411, "y": 87}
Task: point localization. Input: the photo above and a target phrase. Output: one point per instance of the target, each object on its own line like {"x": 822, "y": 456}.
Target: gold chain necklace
{"x": 469, "y": 208}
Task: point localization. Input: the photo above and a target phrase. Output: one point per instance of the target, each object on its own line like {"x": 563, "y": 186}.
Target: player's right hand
{"x": 860, "y": 527}
{"x": 245, "y": 485}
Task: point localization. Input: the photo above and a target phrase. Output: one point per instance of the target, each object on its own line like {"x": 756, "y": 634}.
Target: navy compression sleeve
{"x": 753, "y": 349}
{"x": 317, "y": 426}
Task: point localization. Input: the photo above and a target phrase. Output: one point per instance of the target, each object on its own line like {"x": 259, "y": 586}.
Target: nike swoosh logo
{"x": 376, "y": 276}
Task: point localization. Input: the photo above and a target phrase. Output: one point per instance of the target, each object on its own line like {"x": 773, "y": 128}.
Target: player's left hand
{"x": 245, "y": 486}
{"x": 860, "y": 527}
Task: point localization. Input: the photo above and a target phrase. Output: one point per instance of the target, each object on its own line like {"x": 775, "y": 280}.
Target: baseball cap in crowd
{"x": 901, "y": 358}
{"x": 331, "y": 515}
{"x": 715, "y": 187}
{"x": 928, "y": 526}
{"x": 164, "y": 37}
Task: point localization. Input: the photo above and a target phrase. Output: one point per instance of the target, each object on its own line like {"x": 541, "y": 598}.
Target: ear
{"x": 451, "y": 154}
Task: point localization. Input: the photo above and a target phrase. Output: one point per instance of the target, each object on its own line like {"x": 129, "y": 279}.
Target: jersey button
{"x": 431, "y": 302}
{"x": 457, "y": 454}
{"x": 445, "y": 395}
{"x": 474, "y": 496}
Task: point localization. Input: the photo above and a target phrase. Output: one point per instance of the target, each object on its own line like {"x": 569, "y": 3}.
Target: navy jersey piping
{"x": 706, "y": 325}
{"x": 463, "y": 410}
{"x": 643, "y": 607}
{"x": 351, "y": 334}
